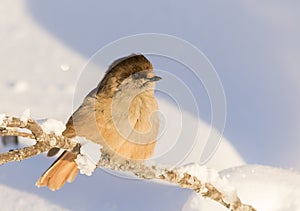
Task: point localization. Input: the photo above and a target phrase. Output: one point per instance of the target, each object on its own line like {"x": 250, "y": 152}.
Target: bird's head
{"x": 132, "y": 72}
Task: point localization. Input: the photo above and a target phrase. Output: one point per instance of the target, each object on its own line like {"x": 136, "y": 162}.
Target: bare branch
{"x": 45, "y": 142}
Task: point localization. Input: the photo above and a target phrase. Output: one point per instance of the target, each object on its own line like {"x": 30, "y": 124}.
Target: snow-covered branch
{"x": 44, "y": 141}
{"x": 204, "y": 181}
{"x": 201, "y": 179}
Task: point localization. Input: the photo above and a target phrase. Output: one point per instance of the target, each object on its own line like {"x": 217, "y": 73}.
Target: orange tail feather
{"x": 63, "y": 170}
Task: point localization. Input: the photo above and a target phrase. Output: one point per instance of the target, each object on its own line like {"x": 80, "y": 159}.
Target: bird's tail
{"x": 63, "y": 170}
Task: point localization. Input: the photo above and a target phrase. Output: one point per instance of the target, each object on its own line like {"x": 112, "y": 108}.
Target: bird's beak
{"x": 155, "y": 78}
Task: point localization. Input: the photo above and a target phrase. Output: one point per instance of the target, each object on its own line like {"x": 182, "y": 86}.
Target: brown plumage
{"x": 120, "y": 114}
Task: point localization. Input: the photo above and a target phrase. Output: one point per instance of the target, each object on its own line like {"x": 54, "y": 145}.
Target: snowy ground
{"x": 254, "y": 47}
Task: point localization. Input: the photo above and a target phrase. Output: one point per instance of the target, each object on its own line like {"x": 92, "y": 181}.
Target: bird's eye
{"x": 139, "y": 75}
{"x": 117, "y": 90}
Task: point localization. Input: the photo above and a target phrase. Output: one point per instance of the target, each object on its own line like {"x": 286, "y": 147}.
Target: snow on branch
{"x": 9, "y": 126}
{"x": 200, "y": 179}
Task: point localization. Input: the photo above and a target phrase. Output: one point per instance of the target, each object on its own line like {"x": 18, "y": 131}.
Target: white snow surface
{"x": 264, "y": 187}
{"x": 2, "y": 117}
{"x": 53, "y": 126}
{"x": 211, "y": 176}
{"x": 89, "y": 156}
{"x": 85, "y": 165}
{"x": 14, "y": 199}
{"x": 42, "y": 54}
{"x": 25, "y": 115}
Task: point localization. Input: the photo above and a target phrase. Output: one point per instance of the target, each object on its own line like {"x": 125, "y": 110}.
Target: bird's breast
{"x": 129, "y": 126}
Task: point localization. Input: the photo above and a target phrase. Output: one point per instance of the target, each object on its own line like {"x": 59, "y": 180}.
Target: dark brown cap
{"x": 121, "y": 69}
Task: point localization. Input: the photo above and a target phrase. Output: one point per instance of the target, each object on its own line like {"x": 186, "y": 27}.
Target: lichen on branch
{"x": 198, "y": 178}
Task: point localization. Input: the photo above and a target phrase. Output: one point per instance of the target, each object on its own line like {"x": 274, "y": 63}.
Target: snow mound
{"x": 266, "y": 188}
{"x": 263, "y": 187}
{"x": 211, "y": 176}
{"x": 13, "y": 199}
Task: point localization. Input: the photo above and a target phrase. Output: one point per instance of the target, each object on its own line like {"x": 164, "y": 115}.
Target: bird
{"x": 121, "y": 114}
